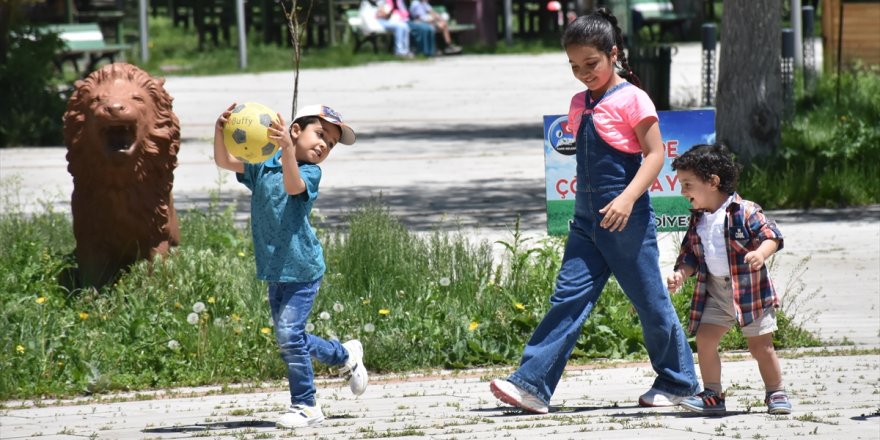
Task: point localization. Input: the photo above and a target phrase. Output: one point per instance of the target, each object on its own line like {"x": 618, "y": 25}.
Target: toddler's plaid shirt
{"x": 744, "y": 229}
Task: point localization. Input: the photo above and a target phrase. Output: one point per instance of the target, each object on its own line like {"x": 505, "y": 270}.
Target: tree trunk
{"x": 749, "y": 99}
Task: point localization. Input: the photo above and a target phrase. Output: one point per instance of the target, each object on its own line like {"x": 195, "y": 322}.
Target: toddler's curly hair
{"x": 704, "y": 160}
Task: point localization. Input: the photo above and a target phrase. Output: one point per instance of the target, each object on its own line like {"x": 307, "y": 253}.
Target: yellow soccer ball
{"x": 246, "y": 132}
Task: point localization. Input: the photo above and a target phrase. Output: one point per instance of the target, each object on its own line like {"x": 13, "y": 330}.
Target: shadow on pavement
{"x": 213, "y": 426}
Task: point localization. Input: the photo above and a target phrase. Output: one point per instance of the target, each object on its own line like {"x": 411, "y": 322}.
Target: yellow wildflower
{"x": 211, "y": 300}
{"x": 41, "y": 300}
{"x": 235, "y": 317}
{"x": 19, "y": 348}
{"x": 519, "y": 306}
{"x": 241, "y": 254}
{"x": 83, "y": 316}
{"x": 473, "y": 326}
{"x": 384, "y": 311}
{"x": 265, "y": 330}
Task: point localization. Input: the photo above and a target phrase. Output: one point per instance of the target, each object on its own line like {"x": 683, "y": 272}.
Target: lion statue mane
{"x": 122, "y": 140}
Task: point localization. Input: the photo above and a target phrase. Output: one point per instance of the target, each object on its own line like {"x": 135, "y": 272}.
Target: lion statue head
{"x": 122, "y": 141}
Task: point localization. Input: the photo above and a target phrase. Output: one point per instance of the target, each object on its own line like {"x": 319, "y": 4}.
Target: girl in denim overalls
{"x": 619, "y": 155}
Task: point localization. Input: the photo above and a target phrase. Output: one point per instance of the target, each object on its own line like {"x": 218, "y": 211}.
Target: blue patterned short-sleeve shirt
{"x": 286, "y": 248}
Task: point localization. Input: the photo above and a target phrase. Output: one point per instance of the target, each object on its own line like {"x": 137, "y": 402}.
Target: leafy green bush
{"x": 830, "y": 149}
{"x": 32, "y": 106}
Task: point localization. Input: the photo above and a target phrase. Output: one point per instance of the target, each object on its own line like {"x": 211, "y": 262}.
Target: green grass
{"x": 199, "y": 316}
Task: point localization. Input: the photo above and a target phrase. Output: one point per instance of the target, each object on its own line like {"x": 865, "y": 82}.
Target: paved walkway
{"x": 456, "y": 142}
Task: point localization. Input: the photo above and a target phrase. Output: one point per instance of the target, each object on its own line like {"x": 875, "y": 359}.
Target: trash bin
{"x": 651, "y": 63}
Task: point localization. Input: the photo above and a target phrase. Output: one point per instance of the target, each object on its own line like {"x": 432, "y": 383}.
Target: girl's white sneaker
{"x": 513, "y": 395}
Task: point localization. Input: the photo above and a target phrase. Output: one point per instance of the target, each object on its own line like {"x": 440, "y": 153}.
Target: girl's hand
{"x": 224, "y": 118}
{"x": 675, "y": 281}
{"x": 754, "y": 259}
{"x": 279, "y": 133}
{"x": 616, "y": 213}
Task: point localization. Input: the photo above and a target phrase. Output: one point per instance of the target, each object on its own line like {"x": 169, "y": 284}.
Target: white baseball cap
{"x": 332, "y": 116}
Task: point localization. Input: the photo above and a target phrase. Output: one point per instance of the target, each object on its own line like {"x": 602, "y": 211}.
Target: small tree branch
{"x": 296, "y": 30}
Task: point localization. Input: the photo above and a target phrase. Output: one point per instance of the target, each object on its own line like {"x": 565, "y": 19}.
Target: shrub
{"x": 32, "y": 106}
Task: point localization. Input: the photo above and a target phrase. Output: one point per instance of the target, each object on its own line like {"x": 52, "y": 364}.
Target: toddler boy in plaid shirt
{"x": 727, "y": 242}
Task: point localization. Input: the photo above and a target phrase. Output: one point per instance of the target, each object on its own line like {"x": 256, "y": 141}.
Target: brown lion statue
{"x": 122, "y": 140}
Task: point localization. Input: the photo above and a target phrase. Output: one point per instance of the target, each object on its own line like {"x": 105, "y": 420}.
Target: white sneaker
{"x": 354, "y": 367}
{"x": 655, "y": 397}
{"x": 516, "y": 396}
{"x": 301, "y": 416}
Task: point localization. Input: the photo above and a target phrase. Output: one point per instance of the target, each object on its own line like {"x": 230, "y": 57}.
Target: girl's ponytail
{"x": 627, "y": 72}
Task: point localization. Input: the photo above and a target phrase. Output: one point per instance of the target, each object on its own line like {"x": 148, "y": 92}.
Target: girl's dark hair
{"x": 704, "y": 160}
{"x": 599, "y": 29}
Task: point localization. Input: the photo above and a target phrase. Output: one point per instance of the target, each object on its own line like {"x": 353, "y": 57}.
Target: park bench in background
{"x": 361, "y": 38}
{"x": 660, "y": 13}
{"x": 84, "y": 42}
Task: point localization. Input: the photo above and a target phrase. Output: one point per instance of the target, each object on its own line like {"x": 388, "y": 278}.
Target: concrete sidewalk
{"x": 834, "y": 397}
{"x": 456, "y": 143}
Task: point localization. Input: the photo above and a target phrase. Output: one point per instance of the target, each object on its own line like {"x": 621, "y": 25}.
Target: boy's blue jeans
{"x": 291, "y": 304}
{"x": 592, "y": 254}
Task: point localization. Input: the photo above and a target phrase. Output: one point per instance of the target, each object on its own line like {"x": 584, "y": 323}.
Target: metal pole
{"x": 788, "y": 71}
{"x": 797, "y": 27}
{"x": 508, "y": 22}
{"x": 809, "y": 48}
{"x": 242, "y": 37}
{"x": 710, "y": 42}
{"x": 144, "y": 31}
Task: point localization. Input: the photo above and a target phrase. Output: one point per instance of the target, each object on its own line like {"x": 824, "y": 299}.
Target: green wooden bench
{"x": 84, "y": 41}
{"x": 647, "y": 13}
{"x": 360, "y": 37}
{"x": 454, "y": 26}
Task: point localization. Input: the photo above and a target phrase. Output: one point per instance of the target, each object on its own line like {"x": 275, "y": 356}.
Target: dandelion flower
{"x": 83, "y": 316}
{"x": 211, "y": 300}
{"x": 265, "y": 330}
{"x": 174, "y": 345}
{"x": 445, "y": 281}
{"x": 178, "y": 305}
{"x": 365, "y": 302}
{"x": 384, "y": 312}
{"x": 519, "y": 306}
{"x": 473, "y": 326}
{"x": 310, "y": 327}
{"x": 20, "y": 349}
{"x": 241, "y": 254}
{"x": 369, "y": 327}
{"x": 237, "y": 330}
{"x": 324, "y": 315}
{"x": 235, "y": 317}
{"x": 199, "y": 307}
{"x": 338, "y": 308}
{"x": 192, "y": 318}
{"x": 41, "y": 300}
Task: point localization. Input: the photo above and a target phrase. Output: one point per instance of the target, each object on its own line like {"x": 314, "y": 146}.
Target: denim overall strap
{"x": 601, "y": 167}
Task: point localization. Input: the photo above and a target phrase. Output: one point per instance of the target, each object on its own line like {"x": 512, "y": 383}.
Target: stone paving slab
{"x": 834, "y": 397}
